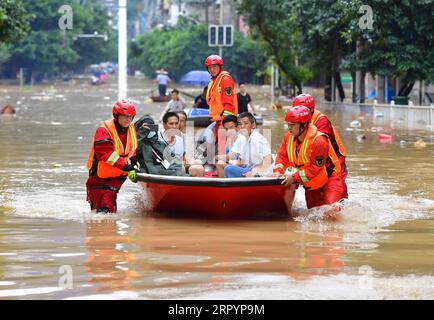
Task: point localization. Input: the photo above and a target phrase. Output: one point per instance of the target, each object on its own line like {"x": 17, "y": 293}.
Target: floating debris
{"x": 355, "y": 124}
{"x": 385, "y": 138}
{"x": 7, "y": 109}
{"x": 361, "y": 138}
{"x": 420, "y": 143}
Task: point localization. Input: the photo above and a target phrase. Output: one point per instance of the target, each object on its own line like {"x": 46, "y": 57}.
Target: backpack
{"x": 152, "y": 152}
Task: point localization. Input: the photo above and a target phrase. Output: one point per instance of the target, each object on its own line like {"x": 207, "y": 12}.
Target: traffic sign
{"x": 220, "y": 35}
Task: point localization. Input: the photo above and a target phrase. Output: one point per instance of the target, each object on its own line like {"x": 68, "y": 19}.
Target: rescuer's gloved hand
{"x": 127, "y": 168}
{"x": 132, "y": 175}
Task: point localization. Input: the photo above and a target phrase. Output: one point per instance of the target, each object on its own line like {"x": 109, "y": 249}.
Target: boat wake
{"x": 372, "y": 205}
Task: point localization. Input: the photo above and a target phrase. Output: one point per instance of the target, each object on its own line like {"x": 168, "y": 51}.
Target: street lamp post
{"x": 122, "y": 49}
{"x": 221, "y": 23}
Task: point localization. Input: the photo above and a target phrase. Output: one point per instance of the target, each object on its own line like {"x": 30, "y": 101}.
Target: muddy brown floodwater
{"x": 382, "y": 249}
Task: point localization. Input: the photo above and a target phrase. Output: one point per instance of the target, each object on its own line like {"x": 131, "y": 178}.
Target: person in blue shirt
{"x": 162, "y": 80}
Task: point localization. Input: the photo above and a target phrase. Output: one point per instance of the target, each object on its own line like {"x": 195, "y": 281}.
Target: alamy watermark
{"x": 66, "y": 280}
{"x": 66, "y": 21}
{"x": 367, "y": 20}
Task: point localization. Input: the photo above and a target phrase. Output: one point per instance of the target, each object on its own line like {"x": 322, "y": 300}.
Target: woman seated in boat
{"x": 172, "y": 137}
{"x": 151, "y": 152}
{"x": 255, "y": 156}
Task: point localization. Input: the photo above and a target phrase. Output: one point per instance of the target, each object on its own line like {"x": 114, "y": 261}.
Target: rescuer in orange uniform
{"x": 112, "y": 158}
{"x": 221, "y": 96}
{"x": 313, "y": 159}
{"x": 324, "y": 125}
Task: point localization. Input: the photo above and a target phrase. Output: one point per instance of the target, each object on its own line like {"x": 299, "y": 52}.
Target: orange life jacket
{"x": 315, "y": 117}
{"x": 106, "y": 169}
{"x": 302, "y": 160}
{"x": 214, "y": 98}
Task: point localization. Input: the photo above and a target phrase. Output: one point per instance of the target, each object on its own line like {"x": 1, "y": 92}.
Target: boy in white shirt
{"x": 255, "y": 155}
{"x": 234, "y": 143}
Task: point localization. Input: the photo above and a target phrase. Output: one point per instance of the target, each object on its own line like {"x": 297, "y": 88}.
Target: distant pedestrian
{"x": 244, "y": 100}
{"x": 162, "y": 80}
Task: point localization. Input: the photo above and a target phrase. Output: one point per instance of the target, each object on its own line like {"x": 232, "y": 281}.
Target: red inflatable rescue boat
{"x": 234, "y": 198}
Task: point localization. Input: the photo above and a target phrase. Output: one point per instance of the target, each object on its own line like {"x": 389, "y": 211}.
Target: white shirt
{"x": 254, "y": 151}
{"x": 176, "y": 148}
{"x": 238, "y": 145}
{"x": 163, "y": 79}
{"x": 175, "y": 106}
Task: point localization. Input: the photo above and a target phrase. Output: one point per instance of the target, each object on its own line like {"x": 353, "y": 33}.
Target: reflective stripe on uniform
{"x": 303, "y": 176}
{"x": 113, "y": 158}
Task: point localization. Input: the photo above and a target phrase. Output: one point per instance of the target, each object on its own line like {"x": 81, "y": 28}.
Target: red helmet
{"x": 124, "y": 107}
{"x": 213, "y": 59}
{"x": 304, "y": 99}
{"x": 299, "y": 114}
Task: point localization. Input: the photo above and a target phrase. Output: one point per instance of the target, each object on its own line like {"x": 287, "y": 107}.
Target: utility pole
{"x": 272, "y": 82}
{"x": 221, "y": 23}
{"x": 206, "y": 12}
{"x": 122, "y": 49}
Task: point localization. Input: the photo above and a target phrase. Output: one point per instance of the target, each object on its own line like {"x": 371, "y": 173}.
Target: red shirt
{"x": 227, "y": 84}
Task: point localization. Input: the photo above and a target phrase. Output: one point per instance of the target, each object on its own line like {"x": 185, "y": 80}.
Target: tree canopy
{"x": 328, "y": 36}
{"x": 14, "y": 21}
{"x": 184, "y": 48}
{"x": 48, "y": 49}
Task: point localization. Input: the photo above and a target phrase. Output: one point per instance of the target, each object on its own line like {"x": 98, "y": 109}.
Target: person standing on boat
{"x": 162, "y": 80}
{"x": 324, "y": 125}
{"x": 311, "y": 157}
{"x": 112, "y": 158}
{"x": 221, "y": 96}
{"x": 255, "y": 158}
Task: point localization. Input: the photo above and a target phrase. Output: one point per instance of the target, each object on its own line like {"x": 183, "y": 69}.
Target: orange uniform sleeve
{"x": 318, "y": 158}
{"x": 227, "y": 95}
{"x": 282, "y": 161}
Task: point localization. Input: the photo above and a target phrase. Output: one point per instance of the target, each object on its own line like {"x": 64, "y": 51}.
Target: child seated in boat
{"x": 233, "y": 142}
{"x": 255, "y": 156}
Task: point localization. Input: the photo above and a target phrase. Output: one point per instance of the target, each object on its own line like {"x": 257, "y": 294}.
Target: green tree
{"x": 48, "y": 49}
{"x": 273, "y": 22}
{"x": 184, "y": 48}
{"x": 320, "y": 25}
{"x": 14, "y": 21}
{"x": 400, "y": 43}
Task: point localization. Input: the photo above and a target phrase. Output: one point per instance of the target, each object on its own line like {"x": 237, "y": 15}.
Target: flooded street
{"x": 382, "y": 249}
